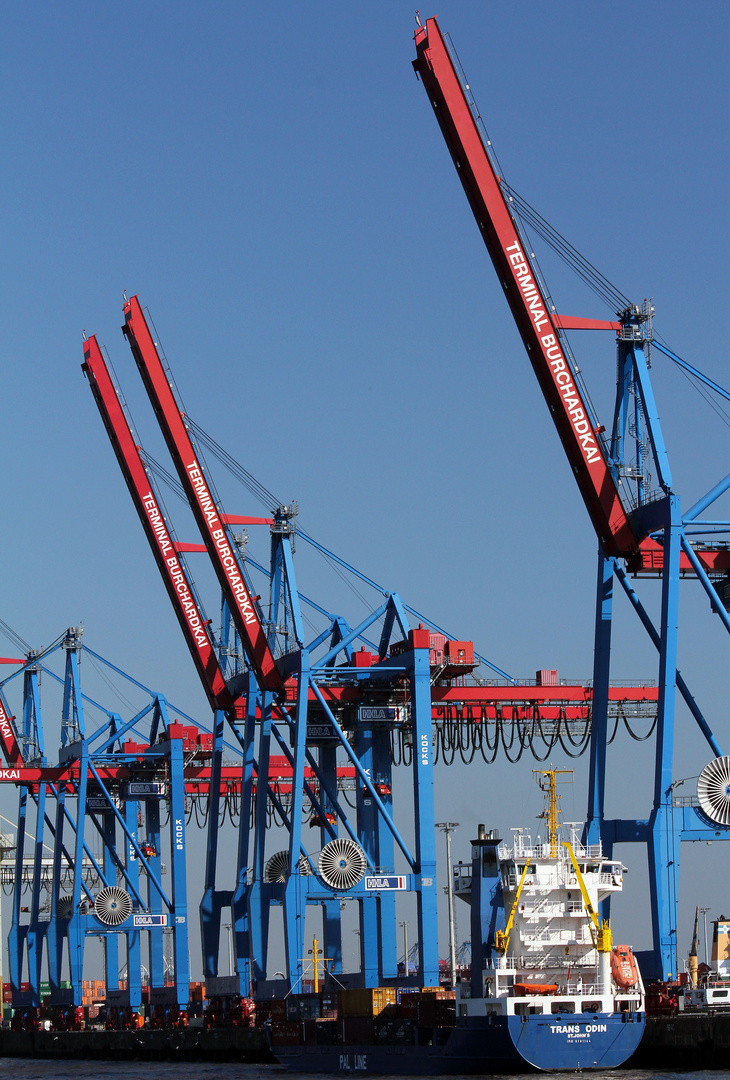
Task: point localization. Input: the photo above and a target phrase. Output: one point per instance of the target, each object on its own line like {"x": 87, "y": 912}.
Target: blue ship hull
{"x": 476, "y": 1047}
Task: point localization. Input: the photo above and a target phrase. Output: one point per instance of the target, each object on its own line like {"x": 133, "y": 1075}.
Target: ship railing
{"x": 503, "y": 963}
{"x": 522, "y": 847}
{"x": 551, "y": 908}
{"x": 530, "y": 962}
{"x": 582, "y": 988}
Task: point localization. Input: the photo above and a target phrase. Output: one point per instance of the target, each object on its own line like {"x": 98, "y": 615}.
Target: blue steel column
{"x": 387, "y": 921}
{"x": 35, "y": 932}
{"x": 16, "y": 937}
{"x": 599, "y": 710}
{"x": 211, "y": 901}
{"x": 663, "y": 847}
{"x": 134, "y": 956}
{"x": 239, "y": 906}
{"x": 259, "y": 904}
{"x": 55, "y": 929}
{"x": 332, "y": 923}
{"x": 425, "y": 826}
{"x": 154, "y": 900}
{"x": 110, "y": 941}
{"x": 179, "y": 877}
{"x": 367, "y": 816}
{"x": 294, "y": 905}
{"x": 77, "y": 922}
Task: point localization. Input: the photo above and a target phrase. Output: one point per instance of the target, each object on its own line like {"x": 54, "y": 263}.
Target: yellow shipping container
{"x": 368, "y": 1001}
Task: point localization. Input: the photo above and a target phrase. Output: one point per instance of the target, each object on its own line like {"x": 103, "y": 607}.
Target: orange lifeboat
{"x": 523, "y": 989}
{"x": 623, "y": 967}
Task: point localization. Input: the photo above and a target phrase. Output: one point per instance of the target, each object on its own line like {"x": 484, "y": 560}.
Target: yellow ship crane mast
{"x": 601, "y": 929}
{"x": 501, "y": 937}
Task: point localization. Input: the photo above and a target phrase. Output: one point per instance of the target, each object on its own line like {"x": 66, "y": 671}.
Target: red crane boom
{"x": 236, "y": 589}
{"x": 538, "y": 326}
{"x": 192, "y": 622}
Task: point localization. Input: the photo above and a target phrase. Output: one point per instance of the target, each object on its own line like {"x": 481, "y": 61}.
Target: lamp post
{"x": 227, "y": 926}
{"x": 448, "y": 827}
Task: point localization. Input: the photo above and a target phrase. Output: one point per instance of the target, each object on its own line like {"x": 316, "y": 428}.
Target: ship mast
{"x": 547, "y": 780}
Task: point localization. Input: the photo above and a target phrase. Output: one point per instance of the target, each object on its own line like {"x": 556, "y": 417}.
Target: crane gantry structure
{"x": 363, "y": 708}
{"x": 639, "y": 531}
{"x": 324, "y": 703}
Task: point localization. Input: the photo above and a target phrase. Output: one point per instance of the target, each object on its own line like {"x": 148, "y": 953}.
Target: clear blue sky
{"x": 270, "y": 180}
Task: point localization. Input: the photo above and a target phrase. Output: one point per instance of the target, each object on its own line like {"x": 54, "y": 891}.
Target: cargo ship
{"x": 548, "y": 989}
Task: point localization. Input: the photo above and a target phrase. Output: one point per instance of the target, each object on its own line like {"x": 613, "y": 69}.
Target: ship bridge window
{"x": 562, "y": 1006}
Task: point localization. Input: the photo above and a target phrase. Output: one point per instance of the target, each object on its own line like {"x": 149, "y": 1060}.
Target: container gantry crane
{"x": 130, "y": 769}
{"x": 317, "y": 701}
{"x": 100, "y": 788}
{"x": 639, "y": 531}
{"x": 288, "y": 718}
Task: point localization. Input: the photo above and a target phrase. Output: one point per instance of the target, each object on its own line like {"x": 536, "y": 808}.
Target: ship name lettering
{"x": 359, "y": 1063}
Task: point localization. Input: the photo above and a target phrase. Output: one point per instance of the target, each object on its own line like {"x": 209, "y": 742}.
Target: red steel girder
{"x": 211, "y": 523}
{"x": 649, "y": 560}
{"x": 193, "y": 625}
{"x": 538, "y": 327}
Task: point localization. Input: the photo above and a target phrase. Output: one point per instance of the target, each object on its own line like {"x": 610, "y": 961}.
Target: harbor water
{"x": 29, "y": 1069}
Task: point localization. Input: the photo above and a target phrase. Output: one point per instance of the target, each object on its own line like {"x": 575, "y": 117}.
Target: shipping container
{"x": 286, "y": 1033}
{"x": 355, "y": 1030}
{"x": 326, "y": 1031}
{"x": 277, "y": 1009}
{"x": 310, "y": 1006}
{"x": 408, "y": 1007}
{"x": 367, "y": 1001}
{"x": 395, "y": 1032}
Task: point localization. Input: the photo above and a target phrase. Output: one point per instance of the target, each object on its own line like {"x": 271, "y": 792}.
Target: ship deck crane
{"x": 501, "y": 937}
{"x": 601, "y": 930}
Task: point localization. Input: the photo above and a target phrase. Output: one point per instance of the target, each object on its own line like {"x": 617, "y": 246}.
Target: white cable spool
{"x": 277, "y": 868}
{"x": 342, "y": 863}
{"x": 713, "y": 790}
{"x": 112, "y": 905}
{"x": 65, "y": 907}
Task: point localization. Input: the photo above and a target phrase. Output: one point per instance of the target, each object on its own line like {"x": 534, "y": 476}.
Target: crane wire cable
{"x": 585, "y": 269}
{"x": 269, "y": 500}
{"x": 699, "y": 387}
{"x": 16, "y": 639}
{"x": 595, "y": 280}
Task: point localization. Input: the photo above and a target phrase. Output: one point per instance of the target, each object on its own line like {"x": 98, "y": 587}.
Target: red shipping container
{"x": 285, "y": 1033}
{"x": 355, "y": 1030}
{"x": 547, "y": 677}
{"x": 408, "y": 1007}
{"x": 277, "y": 1008}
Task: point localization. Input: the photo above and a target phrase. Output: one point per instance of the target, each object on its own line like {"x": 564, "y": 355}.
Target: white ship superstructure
{"x": 555, "y": 955}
